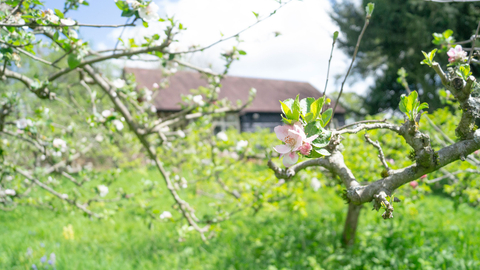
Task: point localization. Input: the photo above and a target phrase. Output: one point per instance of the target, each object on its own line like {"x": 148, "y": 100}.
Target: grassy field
{"x": 427, "y": 234}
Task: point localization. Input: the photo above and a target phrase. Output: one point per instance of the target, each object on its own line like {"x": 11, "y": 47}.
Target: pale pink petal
{"x": 305, "y": 149}
{"x": 297, "y": 140}
{"x": 451, "y": 52}
{"x": 458, "y": 48}
{"x": 282, "y": 149}
{"x": 310, "y": 139}
{"x": 282, "y": 132}
{"x": 290, "y": 159}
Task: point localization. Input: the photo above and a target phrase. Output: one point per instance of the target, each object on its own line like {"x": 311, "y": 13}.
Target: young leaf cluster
{"x": 308, "y": 111}
{"x": 411, "y": 106}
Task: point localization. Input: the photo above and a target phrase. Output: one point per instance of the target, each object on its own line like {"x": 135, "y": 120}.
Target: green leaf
{"x": 305, "y": 105}
{"x": 403, "y": 104}
{"x": 256, "y": 14}
{"x": 287, "y": 121}
{"x": 127, "y": 12}
{"x": 432, "y": 54}
{"x": 335, "y": 36}
{"x": 447, "y": 33}
{"x": 323, "y": 152}
{"x": 73, "y": 61}
{"x": 369, "y": 9}
{"x": 242, "y": 52}
{"x": 286, "y": 110}
{"x": 423, "y": 106}
{"x": 56, "y": 35}
{"x": 59, "y": 14}
{"x": 326, "y": 116}
{"x": 316, "y": 107}
{"x": 296, "y": 109}
{"x": 145, "y": 24}
{"x": 122, "y": 5}
{"x": 315, "y": 128}
{"x": 309, "y": 117}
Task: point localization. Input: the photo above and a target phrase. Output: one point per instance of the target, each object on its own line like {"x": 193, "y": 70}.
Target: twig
{"x": 328, "y": 69}
{"x": 63, "y": 25}
{"x": 451, "y": 173}
{"x": 367, "y": 20}
{"x": 473, "y": 44}
{"x": 121, "y": 34}
{"x": 36, "y": 58}
{"x": 55, "y": 193}
{"x": 381, "y": 156}
{"x": 363, "y": 122}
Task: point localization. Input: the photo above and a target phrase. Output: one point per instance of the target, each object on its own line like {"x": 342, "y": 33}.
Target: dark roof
{"x": 269, "y": 92}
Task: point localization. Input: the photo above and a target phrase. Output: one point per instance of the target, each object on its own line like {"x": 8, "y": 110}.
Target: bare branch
{"x": 367, "y": 20}
{"x": 449, "y": 174}
{"x": 328, "y": 69}
{"x": 473, "y": 44}
{"x": 381, "y": 156}
{"x": 33, "y": 25}
{"x": 362, "y": 122}
{"x": 440, "y": 73}
{"x": 361, "y": 127}
{"x": 55, "y": 193}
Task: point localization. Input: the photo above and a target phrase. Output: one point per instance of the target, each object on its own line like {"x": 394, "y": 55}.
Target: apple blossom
{"x": 315, "y": 184}
{"x": 103, "y": 190}
{"x": 181, "y": 134}
{"x": 165, "y": 215}
{"x": 68, "y": 22}
{"x": 50, "y": 16}
{"x": 119, "y": 83}
{"x": 456, "y": 54}
{"x": 118, "y": 124}
{"x": 106, "y": 113}
{"x": 222, "y": 136}
{"x": 149, "y": 13}
{"x": 199, "y": 100}
{"x": 295, "y": 140}
{"x": 414, "y": 184}
{"x": 23, "y": 123}
{"x": 241, "y": 145}
{"x": 10, "y": 192}
{"x": 155, "y": 85}
{"x": 60, "y": 144}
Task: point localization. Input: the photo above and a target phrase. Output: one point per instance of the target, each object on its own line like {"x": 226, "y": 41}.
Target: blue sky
{"x": 300, "y": 53}
{"x": 99, "y": 12}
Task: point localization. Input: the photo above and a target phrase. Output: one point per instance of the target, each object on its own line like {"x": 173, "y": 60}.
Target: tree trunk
{"x": 348, "y": 237}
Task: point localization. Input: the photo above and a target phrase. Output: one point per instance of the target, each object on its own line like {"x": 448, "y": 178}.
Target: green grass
{"x": 428, "y": 234}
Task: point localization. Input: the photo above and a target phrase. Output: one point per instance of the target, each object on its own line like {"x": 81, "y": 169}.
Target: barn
{"x": 264, "y": 112}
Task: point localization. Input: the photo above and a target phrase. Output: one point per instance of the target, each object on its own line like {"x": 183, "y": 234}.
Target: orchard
{"x": 93, "y": 177}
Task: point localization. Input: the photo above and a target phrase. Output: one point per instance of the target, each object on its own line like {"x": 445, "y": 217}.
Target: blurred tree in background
{"x": 401, "y": 30}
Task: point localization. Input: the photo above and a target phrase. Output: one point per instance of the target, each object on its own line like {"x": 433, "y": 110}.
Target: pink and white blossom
{"x": 149, "y": 13}
{"x": 456, "y": 54}
{"x": 68, "y": 22}
{"x": 295, "y": 140}
{"x": 414, "y": 184}
{"x": 166, "y": 215}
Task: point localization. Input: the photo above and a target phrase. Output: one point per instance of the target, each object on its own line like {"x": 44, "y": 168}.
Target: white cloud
{"x": 300, "y": 53}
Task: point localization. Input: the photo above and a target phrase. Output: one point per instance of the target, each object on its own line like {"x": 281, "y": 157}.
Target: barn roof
{"x": 269, "y": 92}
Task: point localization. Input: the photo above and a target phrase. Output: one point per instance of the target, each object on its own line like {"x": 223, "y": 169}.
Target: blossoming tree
{"x": 41, "y": 148}
{"x": 304, "y": 133}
